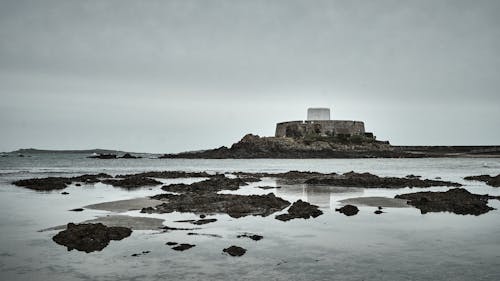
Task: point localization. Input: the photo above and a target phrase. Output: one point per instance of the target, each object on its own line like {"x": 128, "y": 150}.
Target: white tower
{"x": 318, "y": 113}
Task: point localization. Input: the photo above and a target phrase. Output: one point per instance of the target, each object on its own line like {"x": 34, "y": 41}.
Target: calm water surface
{"x": 401, "y": 244}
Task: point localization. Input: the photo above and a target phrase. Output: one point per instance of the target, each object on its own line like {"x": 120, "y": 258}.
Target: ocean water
{"x": 401, "y": 244}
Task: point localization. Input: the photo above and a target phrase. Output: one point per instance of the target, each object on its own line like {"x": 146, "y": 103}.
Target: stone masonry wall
{"x": 322, "y": 127}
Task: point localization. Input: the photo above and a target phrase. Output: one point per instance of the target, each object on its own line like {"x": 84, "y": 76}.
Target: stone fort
{"x": 318, "y": 123}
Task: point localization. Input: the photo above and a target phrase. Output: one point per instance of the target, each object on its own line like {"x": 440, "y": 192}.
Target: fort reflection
{"x": 322, "y": 196}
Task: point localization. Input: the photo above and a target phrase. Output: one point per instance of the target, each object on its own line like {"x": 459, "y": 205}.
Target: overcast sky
{"x": 169, "y": 76}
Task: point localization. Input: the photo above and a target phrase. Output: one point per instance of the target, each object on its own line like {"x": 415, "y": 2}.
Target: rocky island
{"x": 320, "y": 137}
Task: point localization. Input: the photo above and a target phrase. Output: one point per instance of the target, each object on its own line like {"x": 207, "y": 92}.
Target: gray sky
{"x": 168, "y": 76}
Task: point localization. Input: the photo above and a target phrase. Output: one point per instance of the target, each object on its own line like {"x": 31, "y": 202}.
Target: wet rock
{"x": 169, "y": 175}
{"x": 234, "y": 205}
{"x": 132, "y": 182}
{"x": 235, "y": 251}
{"x": 254, "y": 237}
{"x": 64, "y": 193}
{"x": 300, "y": 209}
{"x": 214, "y": 184}
{"x": 183, "y": 247}
{"x": 367, "y": 180}
{"x": 198, "y": 222}
{"x": 171, "y": 243}
{"x": 268, "y": 187}
{"x": 89, "y": 237}
{"x": 129, "y": 156}
{"x": 54, "y": 183}
{"x": 103, "y": 156}
{"x": 348, "y": 210}
{"x": 78, "y": 184}
{"x": 44, "y": 184}
{"x": 140, "y": 254}
{"x": 378, "y": 212}
{"x": 168, "y": 228}
{"x": 457, "y": 200}
{"x": 489, "y": 180}
{"x": 202, "y": 216}
{"x": 77, "y": 210}
{"x": 205, "y": 234}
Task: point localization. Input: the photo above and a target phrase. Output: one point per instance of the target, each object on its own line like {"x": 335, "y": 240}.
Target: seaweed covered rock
{"x": 214, "y": 184}
{"x": 457, "y": 200}
{"x": 367, "y": 180}
{"x": 235, "y": 251}
{"x": 348, "y": 210}
{"x": 132, "y": 182}
{"x": 55, "y": 183}
{"x": 489, "y": 180}
{"x": 234, "y": 205}
{"x": 300, "y": 209}
{"x": 89, "y": 237}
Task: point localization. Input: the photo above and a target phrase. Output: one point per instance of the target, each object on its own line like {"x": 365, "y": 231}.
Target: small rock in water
{"x": 89, "y": 237}
{"x": 348, "y": 210}
{"x": 183, "y": 247}
{"x": 300, "y": 209}
{"x": 235, "y": 251}
{"x": 64, "y": 193}
{"x": 78, "y": 184}
{"x": 254, "y": 237}
{"x": 202, "y": 216}
{"x": 378, "y": 212}
{"x": 77, "y": 210}
{"x": 171, "y": 243}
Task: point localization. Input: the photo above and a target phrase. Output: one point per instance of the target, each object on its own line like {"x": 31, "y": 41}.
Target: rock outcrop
{"x": 300, "y": 209}
{"x": 457, "y": 200}
{"x": 90, "y": 237}
{"x": 235, "y": 206}
{"x": 489, "y": 180}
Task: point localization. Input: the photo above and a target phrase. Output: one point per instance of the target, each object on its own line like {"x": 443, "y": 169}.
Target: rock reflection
{"x": 322, "y": 196}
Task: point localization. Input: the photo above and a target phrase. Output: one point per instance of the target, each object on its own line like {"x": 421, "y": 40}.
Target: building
{"x": 318, "y": 123}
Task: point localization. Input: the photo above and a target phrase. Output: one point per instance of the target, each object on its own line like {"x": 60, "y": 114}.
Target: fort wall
{"x": 297, "y": 129}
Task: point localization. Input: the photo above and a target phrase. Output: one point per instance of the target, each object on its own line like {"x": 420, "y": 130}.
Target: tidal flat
{"x": 400, "y": 243}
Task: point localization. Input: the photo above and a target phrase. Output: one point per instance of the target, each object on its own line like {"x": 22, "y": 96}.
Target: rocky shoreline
{"x": 253, "y": 146}
{"x": 204, "y": 198}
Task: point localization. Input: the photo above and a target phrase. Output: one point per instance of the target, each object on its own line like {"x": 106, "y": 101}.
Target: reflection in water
{"x": 320, "y": 195}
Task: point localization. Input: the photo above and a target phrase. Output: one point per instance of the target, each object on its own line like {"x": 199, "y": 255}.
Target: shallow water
{"x": 401, "y": 244}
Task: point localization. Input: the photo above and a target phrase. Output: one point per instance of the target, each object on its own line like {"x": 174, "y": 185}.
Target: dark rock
{"x": 235, "y": 251}
{"x": 53, "y": 183}
{"x": 205, "y": 234}
{"x": 214, "y": 184}
{"x": 378, "y": 212}
{"x": 348, "y": 210}
{"x": 234, "y": 205}
{"x": 254, "y": 237}
{"x": 198, "y": 222}
{"x": 169, "y": 175}
{"x": 140, "y": 254}
{"x": 89, "y": 237}
{"x": 171, "y": 243}
{"x": 367, "y": 180}
{"x": 457, "y": 200}
{"x": 132, "y": 182}
{"x": 129, "y": 156}
{"x": 268, "y": 187}
{"x": 168, "y": 228}
{"x": 78, "y": 184}
{"x": 202, "y": 216}
{"x": 489, "y": 180}
{"x": 77, "y": 210}
{"x": 44, "y": 184}
{"x": 300, "y": 209}
{"x": 64, "y": 193}
{"x": 183, "y": 247}
{"x": 103, "y": 156}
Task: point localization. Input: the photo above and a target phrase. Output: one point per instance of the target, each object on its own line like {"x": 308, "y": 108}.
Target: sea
{"x": 400, "y": 244}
